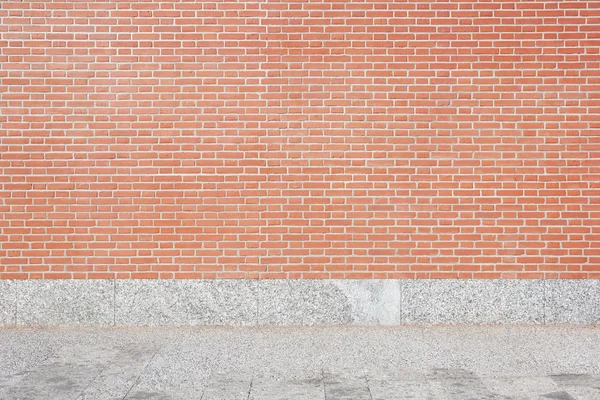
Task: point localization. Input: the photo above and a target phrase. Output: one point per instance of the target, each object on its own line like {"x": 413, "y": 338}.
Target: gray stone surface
{"x": 526, "y": 387}
{"x": 297, "y": 302}
{"x": 63, "y": 376}
{"x": 185, "y": 302}
{"x": 572, "y": 302}
{"x": 535, "y": 344}
{"x": 121, "y": 374}
{"x": 258, "y": 363}
{"x": 329, "y": 302}
{"x": 185, "y": 365}
{"x": 65, "y": 303}
{"x": 229, "y": 386}
{"x": 372, "y": 302}
{"x": 8, "y": 303}
{"x": 458, "y": 383}
{"x": 440, "y": 301}
{"x": 346, "y": 386}
{"x": 406, "y": 389}
{"x": 285, "y": 389}
{"x": 302, "y": 302}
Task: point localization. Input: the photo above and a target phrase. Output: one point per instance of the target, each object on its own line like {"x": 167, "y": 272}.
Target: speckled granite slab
{"x": 297, "y": 302}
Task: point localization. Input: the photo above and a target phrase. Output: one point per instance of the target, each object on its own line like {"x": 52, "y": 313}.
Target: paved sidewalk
{"x": 301, "y": 363}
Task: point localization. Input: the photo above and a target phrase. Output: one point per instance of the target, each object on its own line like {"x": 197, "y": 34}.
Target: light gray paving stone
{"x": 521, "y": 387}
{"x": 566, "y": 350}
{"x": 121, "y": 374}
{"x": 564, "y": 380}
{"x": 185, "y": 302}
{"x": 406, "y": 389}
{"x": 559, "y": 395}
{"x": 64, "y": 376}
{"x": 461, "y": 349}
{"x": 572, "y": 301}
{"x": 346, "y": 385}
{"x": 305, "y": 389}
{"x": 584, "y": 393}
{"x": 178, "y": 370}
{"x": 394, "y": 359}
{"x": 228, "y": 387}
{"x": 8, "y": 303}
{"x": 450, "y": 301}
{"x": 460, "y": 384}
{"x": 579, "y": 386}
{"x": 396, "y": 373}
{"x": 20, "y": 354}
{"x": 65, "y": 303}
{"x": 141, "y": 395}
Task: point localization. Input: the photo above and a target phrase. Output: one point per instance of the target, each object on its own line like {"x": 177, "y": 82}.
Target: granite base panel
{"x": 297, "y": 302}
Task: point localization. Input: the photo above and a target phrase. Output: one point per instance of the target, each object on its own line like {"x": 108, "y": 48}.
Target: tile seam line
{"x": 544, "y": 301}
{"x": 17, "y": 292}
{"x": 400, "y": 302}
{"x": 114, "y": 288}
{"x": 256, "y": 317}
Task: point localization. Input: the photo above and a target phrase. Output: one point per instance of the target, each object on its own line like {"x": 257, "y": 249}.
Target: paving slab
{"x": 283, "y": 389}
{"x": 228, "y": 387}
{"x": 121, "y": 374}
{"x": 346, "y": 386}
{"x": 406, "y": 389}
{"x": 522, "y": 387}
{"x": 451, "y": 362}
{"x": 64, "y": 376}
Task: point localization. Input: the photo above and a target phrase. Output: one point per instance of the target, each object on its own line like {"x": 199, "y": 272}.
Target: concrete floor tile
{"x": 116, "y": 380}
{"x": 411, "y": 389}
{"x": 268, "y": 389}
{"x": 296, "y": 363}
{"x": 521, "y": 387}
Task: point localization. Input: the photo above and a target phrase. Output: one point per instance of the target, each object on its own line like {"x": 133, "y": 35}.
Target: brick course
{"x": 299, "y": 139}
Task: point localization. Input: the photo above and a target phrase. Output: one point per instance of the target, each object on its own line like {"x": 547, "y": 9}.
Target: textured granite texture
{"x": 8, "y": 303}
{"x": 316, "y": 363}
{"x": 311, "y": 302}
{"x": 120, "y": 374}
{"x": 298, "y": 302}
{"x": 572, "y": 302}
{"x": 302, "y": 302}
{"x": 185, "y": 302}
{"x": 65, "y": 303}
{"x": 472, "y": 301}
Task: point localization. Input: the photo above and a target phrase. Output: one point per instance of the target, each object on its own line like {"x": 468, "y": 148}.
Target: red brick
{"x": 377, "y": 140}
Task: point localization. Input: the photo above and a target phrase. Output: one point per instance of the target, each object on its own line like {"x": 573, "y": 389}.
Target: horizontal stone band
{"x": 297, "y": 302}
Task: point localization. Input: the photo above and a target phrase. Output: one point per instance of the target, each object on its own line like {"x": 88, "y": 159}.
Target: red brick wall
{"x": 299, "y": 139}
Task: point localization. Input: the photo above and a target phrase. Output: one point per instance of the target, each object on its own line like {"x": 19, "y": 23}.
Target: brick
{"x": 296, "y": 140}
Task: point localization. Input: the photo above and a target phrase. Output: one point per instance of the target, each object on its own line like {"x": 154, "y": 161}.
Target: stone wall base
{"x": 297, "y": 302}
